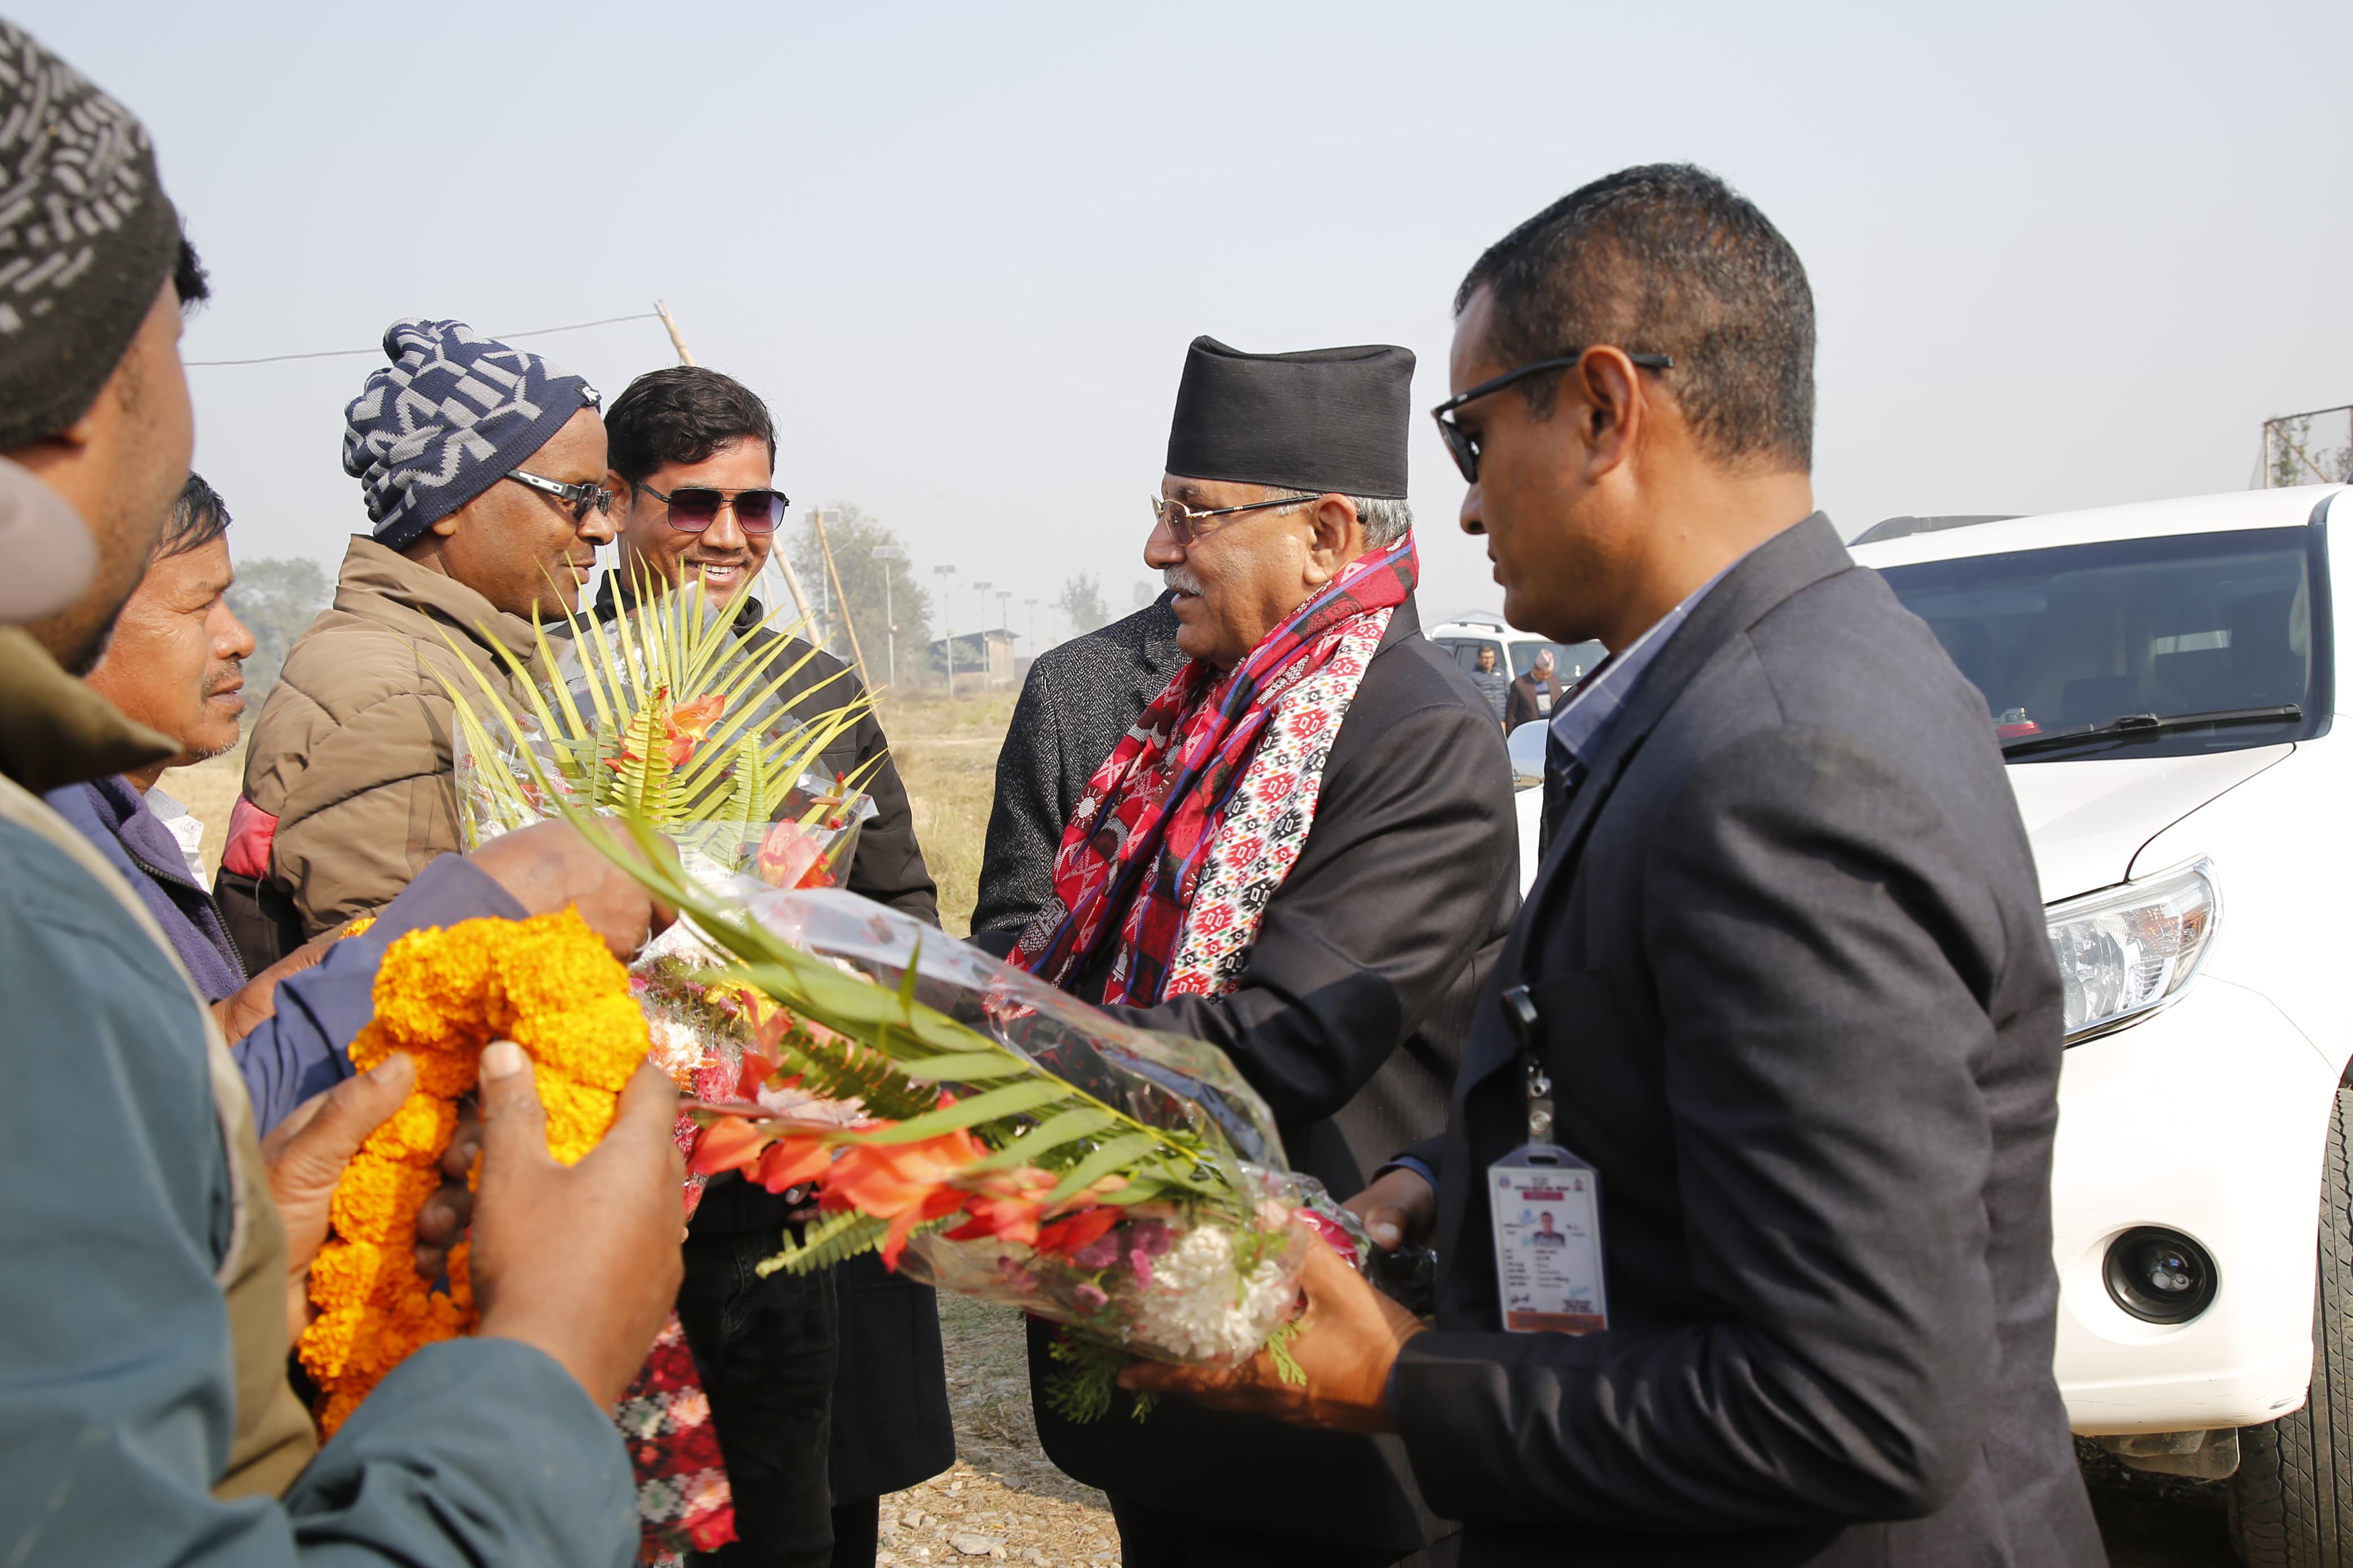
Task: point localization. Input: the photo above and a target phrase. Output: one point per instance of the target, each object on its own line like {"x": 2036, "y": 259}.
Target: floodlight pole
{"x": 982, "y": 589}
{"x": 1033, "y": 624}
{"x": 890, "y": 555}
{"x": 948, "y": 624}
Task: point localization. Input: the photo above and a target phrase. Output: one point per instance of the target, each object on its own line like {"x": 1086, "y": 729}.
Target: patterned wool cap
{"x": 442, "y": 423}
{"x": 86, "y": 239}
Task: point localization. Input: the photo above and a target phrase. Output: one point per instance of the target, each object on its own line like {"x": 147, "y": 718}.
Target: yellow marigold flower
{"x": 378, "y": 1200}
{"x": 441, "y": 996}
{"x": 598, "y": 1041}
{"x": 356, "y": 928}
{"x": 577, "y": 1114}
{"x": 416, "y": 1134}
{"x": 552, "y": 963}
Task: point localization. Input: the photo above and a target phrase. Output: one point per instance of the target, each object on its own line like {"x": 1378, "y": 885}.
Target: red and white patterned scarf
{"x": 1191, "y": 824}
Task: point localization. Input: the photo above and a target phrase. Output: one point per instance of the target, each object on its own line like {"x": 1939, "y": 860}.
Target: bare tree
{"x": 1082, "y": 604}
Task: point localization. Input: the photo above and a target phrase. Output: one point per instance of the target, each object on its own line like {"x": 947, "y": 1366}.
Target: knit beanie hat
{"x": 86, "y": 239}
{"x": 447, "y": 419}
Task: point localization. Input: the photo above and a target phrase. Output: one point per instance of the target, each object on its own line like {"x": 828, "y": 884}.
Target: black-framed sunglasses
{"x": 1463, "y": 446}
{"x": 580, "y": 497}
{"x": 693, "y": 508}
{"x": 1184, "y": 521}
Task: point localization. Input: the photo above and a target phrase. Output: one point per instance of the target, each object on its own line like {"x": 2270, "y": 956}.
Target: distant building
{"x": 982, "y": 658}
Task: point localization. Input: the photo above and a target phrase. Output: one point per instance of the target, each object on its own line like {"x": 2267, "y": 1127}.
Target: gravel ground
{"x": 1002, "y": 1501}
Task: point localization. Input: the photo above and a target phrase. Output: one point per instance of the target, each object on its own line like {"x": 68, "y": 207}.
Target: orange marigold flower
{"x": 416, "y": 1134}
{"x": 549, "y": 964}
{"x": 350, "y": 1273}
{"x": 378, "y": 1200}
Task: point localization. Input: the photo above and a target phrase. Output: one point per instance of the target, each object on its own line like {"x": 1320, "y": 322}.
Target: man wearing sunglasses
{"x": 1778, "y": 1017}
{"x": 1302, "y": 852}
{"x": 483, "y": 470}
{"x": 827, "y": 1389}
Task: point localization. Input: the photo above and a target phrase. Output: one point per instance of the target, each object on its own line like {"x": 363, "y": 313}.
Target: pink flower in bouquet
{"x": 790, "y": 857}
{"x": 1092, "y": 1299}
{"x": 1333, "y": 1233}
{"x": 1099, "y": 1253}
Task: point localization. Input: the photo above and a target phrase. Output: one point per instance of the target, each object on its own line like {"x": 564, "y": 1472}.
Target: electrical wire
{"x": 349, "y": 353}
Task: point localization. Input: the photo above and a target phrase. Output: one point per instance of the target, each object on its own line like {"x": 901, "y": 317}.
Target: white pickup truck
{"x": 2164, "y": 678}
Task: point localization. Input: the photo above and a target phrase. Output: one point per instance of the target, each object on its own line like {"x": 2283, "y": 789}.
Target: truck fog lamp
{"x": 2126, "y": 952}
{"x": 2160, "y": 1276}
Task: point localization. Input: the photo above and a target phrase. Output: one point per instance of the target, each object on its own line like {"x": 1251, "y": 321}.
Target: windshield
{"x": 2083, "y": 634}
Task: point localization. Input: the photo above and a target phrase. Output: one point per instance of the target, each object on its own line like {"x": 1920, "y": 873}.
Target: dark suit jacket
{"x": 1077, "y": 702}
{"x": 1801, "y": 1014}
{"x": 1350, "y": 1021}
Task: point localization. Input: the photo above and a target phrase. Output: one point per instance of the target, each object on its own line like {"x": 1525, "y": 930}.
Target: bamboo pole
{"x": 840, "y": 599}
{"x": 677, "y": 338}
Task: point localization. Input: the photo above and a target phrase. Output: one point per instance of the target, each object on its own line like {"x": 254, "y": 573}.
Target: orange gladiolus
{"x": 906, "y": 1184}
{"x": 689, "y": 724}
{"x": 789, "y": 1161}
{"x": 1067, "y": 1236}
{"x": 729, "y": 1143}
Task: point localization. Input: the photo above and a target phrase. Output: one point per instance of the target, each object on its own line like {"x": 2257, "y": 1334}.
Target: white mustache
{"x": 1181, "y": 579}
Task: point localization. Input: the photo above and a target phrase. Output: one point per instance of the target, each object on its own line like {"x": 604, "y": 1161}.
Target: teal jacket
{"x": 116, "y": 1373}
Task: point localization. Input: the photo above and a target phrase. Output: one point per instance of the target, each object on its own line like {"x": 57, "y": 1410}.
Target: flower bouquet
{"x": 991, "y": 1135}
{"x": 670, "y": 717}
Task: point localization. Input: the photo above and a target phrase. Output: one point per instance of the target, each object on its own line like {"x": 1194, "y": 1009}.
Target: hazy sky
{"x": 2062, "y": 255}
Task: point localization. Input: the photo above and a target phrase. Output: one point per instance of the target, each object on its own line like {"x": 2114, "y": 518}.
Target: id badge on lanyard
{"x": 1545, "y": 1204}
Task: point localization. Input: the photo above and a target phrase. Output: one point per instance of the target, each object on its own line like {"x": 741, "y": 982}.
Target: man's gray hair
{"x": 1386, "y": 519}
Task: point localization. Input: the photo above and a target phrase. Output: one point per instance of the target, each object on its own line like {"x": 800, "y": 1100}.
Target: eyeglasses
{"x": 1463, "y": 446}
{"x": 581, "y": 497}
{"x": 693, "y": 508}
{"x": 1184, "y": 522}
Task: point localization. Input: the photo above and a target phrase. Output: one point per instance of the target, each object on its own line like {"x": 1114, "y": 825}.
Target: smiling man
{"x": 483, "y": 469}
{"x": 1302, "y": 852}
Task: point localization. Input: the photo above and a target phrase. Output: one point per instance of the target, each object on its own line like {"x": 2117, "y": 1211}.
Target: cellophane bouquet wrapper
{"x": 1200, "y": 1271}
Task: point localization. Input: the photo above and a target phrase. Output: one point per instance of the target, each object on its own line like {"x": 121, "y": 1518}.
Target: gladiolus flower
{"x": 729, "y": 1143}
{"x": 1067, "y": 1236}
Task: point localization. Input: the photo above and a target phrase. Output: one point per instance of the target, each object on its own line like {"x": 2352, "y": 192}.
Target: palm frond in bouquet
{"x": 1012, "y": 1143}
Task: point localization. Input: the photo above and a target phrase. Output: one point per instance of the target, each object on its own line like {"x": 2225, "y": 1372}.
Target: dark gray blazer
{"x": 1079, "y": 698}
{"x": 1801, "y": 1015}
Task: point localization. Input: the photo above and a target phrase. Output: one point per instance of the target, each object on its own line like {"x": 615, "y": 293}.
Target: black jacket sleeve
{"x": 1820, "y": 947}
{"x": 1025, "y": 825}
{"x": 1393, "y": 892}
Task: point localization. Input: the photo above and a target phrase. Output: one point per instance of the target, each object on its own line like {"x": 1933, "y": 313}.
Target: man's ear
{"x": 1613, "y": 407}
{"x": 445, "y": 525}
{"x": 1334, "y": 538}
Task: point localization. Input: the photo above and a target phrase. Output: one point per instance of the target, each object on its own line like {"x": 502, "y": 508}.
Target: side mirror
{"x": 1526, "y": 746}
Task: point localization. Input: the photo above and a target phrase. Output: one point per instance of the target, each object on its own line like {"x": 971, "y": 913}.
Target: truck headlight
{"x": 2127, "y": 952}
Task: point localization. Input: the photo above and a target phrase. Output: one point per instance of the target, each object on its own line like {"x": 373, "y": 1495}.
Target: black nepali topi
{"x": 1320, "y": 420}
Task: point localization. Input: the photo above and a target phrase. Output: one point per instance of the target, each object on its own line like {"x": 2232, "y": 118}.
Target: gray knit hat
{"x": 86, "y": 239}
{"x": 446, "y": 420}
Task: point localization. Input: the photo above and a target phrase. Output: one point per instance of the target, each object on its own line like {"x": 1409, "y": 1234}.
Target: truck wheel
{"x": 2292, "y": 1498}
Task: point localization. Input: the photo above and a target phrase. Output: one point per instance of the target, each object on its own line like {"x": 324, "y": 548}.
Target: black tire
{"x": 2292, "y": 1498}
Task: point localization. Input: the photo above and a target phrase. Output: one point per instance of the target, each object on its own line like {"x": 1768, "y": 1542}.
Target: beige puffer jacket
{"x": 352, "y": 752}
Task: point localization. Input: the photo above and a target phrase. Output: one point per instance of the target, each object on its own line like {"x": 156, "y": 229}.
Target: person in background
{"x": 172, "y": 665}
{"x": 1233, "y": 873}
{"x": 483, "y": 469}
{"x": 826, "y": 1389}
{"x": 1782, "y": 983}
{"x": 1078, "y": 699}
{"x": 1490, "y": 682}
{"x": 145, "y": 1414}
{"x": 1533, "y": 695}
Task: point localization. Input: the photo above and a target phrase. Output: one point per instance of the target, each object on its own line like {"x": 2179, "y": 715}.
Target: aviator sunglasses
{"x": 1462, "y": 445}
{"x": 579, "y": 500}
{"x": 693, "y": 508}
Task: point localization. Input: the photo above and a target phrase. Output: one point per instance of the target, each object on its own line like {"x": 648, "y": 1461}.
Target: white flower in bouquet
{"x": 1200, "y": 1306}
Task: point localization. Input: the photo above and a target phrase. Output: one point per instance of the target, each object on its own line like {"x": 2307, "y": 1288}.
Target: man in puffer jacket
{"x": 483, "y": 469}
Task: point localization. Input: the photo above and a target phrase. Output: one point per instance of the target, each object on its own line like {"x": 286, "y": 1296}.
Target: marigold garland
{"x": 441, "y": 996}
